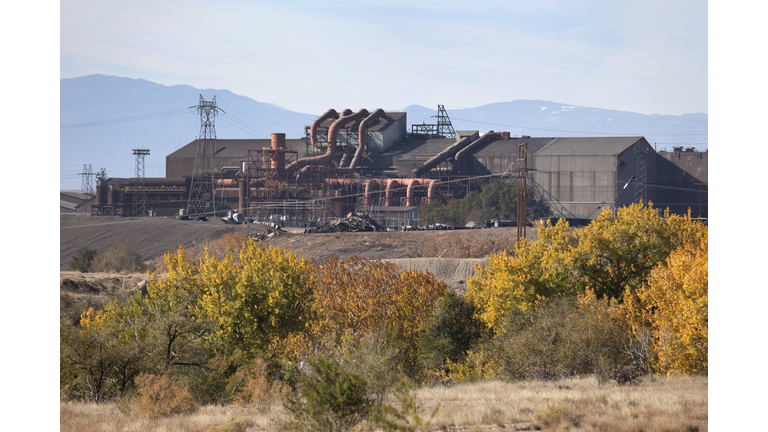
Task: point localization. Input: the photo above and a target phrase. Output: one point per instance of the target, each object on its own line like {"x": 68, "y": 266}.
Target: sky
{"x": 646, "y": 56}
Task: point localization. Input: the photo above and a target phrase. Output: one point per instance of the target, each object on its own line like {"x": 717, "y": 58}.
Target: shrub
{"x": 560, "y": 338}
{"x": 257, "y": 390}
{"x": 119, "y": 257}
{"x": 83, "y": 259}
{"x": 328, "y": 398}
{"x": 448, "y": 332}
{"x": 405, "y": 417}
{"x": 158, "y": 396}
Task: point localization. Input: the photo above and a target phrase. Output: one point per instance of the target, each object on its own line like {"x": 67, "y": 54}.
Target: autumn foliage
{"x": 239, "y": 321}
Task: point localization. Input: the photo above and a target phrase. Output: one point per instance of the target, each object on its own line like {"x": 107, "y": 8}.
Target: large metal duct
{"x": 410, "y": 184}
{"x": 439, "y": 158}
{"x": 362, "y": 135}
{"x": 369, "y": 192}
{"x": 331, "y": 113}
{"x": 468, "y": 149}
{"x": 333, "y": 131}
{"x": 278, "y": 144}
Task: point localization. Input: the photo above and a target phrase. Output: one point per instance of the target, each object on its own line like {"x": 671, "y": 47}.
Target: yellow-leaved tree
{"x": 616, "y": 252}
{"x": 536, "y": 270}
{"x": 257, "y": 298}
{"x": 675, "y": 302}
{"x": 359, "y": 295}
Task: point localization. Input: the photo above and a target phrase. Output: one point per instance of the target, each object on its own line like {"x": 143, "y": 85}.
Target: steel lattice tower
{"x": 641, "y": 193}
{"x": 87, "y": 173}
{"x": 140, "y": 195}
{"x": 522, "y": 188}
{"x": 444, "y": 126}
{"x": 202, "y": 191}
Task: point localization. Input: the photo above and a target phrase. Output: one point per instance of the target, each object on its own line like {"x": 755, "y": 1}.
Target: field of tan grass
{"x": 661, "y": 404}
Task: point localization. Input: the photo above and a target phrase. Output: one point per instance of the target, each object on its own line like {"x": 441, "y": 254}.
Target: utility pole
{"x": 87, "y": 187}
{"x": 522, "y": 176}
{"x": 139, "y": 194}
{"x": 202, "y": 192}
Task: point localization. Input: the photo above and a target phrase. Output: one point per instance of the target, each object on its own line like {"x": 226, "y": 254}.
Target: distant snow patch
{"x": 543, "y": 108}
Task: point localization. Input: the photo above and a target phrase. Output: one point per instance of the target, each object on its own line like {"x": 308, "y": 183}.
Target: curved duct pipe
{"x": 410, "y": 184}
{"x": 432, "y": 189}
{"x": 410, "y": 192}
{"x": 345, "y": 157}
{"x": 362, "y": 136}
{"x": 391, "y": 183}
{"x": 331, "y": 113}
{"x": 333, "y": 131}
{"x": 369, "y": 192}
{"x": 439, "y": 158}
{"x": 466, "y": 150}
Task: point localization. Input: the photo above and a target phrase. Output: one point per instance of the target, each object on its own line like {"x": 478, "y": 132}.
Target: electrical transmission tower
{"x": 202, "y": 193}
{"x": 87, "y": 173}
{"x": 140, "y": 195}
{"x": 522, "y": 188}
{"x": 641, "y": 193}
{"x": 444, "y": 126}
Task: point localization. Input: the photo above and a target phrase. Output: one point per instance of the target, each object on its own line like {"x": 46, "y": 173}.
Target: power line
{"x": 139, "y": 117}
{"x": 581, "y": 132}
{"x": 578, "y": 115}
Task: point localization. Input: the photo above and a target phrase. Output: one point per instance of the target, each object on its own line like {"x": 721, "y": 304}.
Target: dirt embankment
{"x": 449, "y": 255}
{"x": 98, "y": 284}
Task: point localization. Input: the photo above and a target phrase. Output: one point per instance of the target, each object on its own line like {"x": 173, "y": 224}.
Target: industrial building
{"x": 374, "y": 162}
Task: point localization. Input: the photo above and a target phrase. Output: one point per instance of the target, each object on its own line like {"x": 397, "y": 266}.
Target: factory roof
{"x": 232, "y": 148}
{"x": 588, "y": 146}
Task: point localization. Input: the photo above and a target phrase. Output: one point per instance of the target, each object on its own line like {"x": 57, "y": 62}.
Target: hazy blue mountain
{"x": 553, "y": 119}
{"x": 103, "y": 118}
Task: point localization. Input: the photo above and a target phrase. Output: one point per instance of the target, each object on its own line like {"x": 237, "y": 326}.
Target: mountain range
{"x": 103, "y": 118}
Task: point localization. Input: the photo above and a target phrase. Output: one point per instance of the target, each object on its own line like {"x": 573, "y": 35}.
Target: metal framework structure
{"x": 442, "y": 128}
{"x": 202, "y": 191}
{"x": 522, "y": 188}
{"x": 641, "y": 193}
{"x": 265, "y": 165}
{"x": 87, "y": 174}
{"x": 140, "y": 194}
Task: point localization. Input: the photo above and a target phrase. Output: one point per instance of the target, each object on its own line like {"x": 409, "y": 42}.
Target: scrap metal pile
{"x": 354, "y": 222}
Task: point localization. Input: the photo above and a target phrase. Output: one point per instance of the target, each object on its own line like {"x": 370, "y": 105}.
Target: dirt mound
{"x": 454, "y": 271}
{"x": 151, "y": 237}
{"x": 98, "y": 284}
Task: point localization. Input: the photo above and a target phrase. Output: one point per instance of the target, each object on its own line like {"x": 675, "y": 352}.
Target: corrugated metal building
{"x": 586, "y": 174}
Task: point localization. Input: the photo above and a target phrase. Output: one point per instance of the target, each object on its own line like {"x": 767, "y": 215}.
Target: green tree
{"x": 83, "y": 259}
{"x": 328, "y": 398}
{"x": 448, "y": 332}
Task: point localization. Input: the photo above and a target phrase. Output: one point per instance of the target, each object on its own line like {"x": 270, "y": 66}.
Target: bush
{"x": 120, "y": 257}
{"x": 158, "y": 396}
{"x": 83, "y": 259}
{"x": 328, "y": 398}
{"x": 448, "y": 332}
{"x": 558, "y": 339}
{"x": 257, "y": 390}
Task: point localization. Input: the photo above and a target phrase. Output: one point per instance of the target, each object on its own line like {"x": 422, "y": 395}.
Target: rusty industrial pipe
{"x": 410, "y": 184}
{"x": 333, "y": 131}
{"x": 439, "y": 158}
{"x": 331, "y": 113}
{"x": 362, "y": 134}
{"x": 468, "y": 149}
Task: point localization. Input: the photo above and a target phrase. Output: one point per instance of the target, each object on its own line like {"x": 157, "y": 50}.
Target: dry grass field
{"x": 660, "y": 404}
